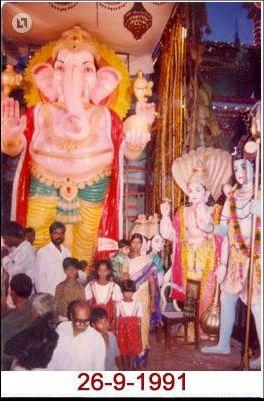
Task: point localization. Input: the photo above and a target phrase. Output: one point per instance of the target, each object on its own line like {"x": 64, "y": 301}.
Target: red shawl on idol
{"x": 108, "y": 230}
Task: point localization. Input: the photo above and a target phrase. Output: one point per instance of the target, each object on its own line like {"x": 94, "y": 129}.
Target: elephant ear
{"x": 43, "y": 75}
{"x": 107, "y": 80}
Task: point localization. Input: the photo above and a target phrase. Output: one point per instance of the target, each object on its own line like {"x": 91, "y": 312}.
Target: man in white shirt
{"x": 30, "y": 236}
{"x": 49, "y": 270}
{"x": 21, "y": 258}
{"x": 80, "y": 347}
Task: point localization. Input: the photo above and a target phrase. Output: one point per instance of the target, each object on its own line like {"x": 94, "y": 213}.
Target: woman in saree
{"x": 143, "y": 271}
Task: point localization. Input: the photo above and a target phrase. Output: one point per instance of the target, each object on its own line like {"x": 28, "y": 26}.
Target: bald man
{"x": 80, "y": 347}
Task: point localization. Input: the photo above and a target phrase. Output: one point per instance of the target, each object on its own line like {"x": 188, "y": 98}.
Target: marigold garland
{"x": 118, "y": 101}
{"x": 238, "y": 238}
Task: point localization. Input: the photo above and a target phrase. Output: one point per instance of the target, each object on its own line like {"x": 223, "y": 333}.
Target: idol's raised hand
{"x": 13, "y": 125}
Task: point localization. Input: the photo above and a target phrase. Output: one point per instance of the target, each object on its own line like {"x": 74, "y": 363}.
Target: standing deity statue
{"x": 69, "y": 144}
{"x": 236, "y": 229}
{"x": 200, "y": 174}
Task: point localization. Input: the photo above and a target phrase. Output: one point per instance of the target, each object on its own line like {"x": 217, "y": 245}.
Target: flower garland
{"x": 239, "y": 239}
{"x": 118, "y": 101}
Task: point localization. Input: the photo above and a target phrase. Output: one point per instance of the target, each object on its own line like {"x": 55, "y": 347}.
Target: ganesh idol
{"x": 71, "y": 144}
{"x": 200, "y": 174}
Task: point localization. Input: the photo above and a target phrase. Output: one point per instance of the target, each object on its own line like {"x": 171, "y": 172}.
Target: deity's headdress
{"x": 239, "y": 150}
{"x": 209, "y": 167}
{"x": 75, "y": 39}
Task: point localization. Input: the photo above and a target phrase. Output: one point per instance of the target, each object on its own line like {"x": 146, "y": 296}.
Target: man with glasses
{"x": 80, "y": 347}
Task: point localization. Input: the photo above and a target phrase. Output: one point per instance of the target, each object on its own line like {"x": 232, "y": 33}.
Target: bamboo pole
{"x": 251, "y": 264}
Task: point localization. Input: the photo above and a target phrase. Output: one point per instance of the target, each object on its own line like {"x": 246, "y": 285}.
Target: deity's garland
{"x": 239, "y": 239}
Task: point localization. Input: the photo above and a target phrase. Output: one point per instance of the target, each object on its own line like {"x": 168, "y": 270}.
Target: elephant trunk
{"x": 75, "y": 122}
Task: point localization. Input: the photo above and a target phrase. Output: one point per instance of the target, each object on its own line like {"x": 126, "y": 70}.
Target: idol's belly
{"x": 73, "y": 164}
{"x": 195, "y": 237}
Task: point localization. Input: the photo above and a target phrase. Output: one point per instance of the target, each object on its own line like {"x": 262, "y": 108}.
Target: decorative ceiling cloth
{"x": 49, "y": 20}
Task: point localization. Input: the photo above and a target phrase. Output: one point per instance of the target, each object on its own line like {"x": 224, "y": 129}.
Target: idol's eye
{"x": 88, "y": 68}
{"x": 59, "y": 67}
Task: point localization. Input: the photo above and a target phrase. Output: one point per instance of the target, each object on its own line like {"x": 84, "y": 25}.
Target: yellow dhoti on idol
{"x": 78, "y": 206}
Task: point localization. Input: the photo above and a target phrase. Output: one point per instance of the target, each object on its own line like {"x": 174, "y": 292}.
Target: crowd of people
{"x": 58, "y": 313}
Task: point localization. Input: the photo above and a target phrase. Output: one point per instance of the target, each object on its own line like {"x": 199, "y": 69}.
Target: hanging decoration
{"x": 198, "y": 96}
{"x": 118, "y": 5}
{"x": 112, "y": 6}
{"x": 138, "y": 20}
{"x": 63, "y": 6}
{"x": 178, "y": 58}
{"x": 169, "y": 128}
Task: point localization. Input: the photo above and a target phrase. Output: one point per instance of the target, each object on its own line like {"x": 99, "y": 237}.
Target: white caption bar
{"x": 132, "y": 384}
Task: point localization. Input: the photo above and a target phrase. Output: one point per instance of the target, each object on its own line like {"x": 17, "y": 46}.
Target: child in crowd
{"x": 120, "y": 261}
{"x": 102, "y": 291}
{"x": 99, "y": 321}
{"x": 30, "y": 236}
{"x": 83, "y": 272}
{"x": 129, "y": 314}
{"x": 70, "y": 289}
